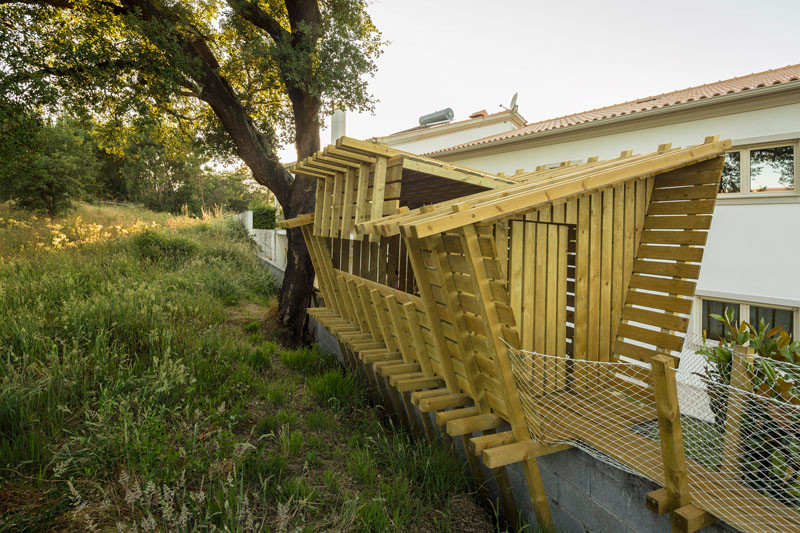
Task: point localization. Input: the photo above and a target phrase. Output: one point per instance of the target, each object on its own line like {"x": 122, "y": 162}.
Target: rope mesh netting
{"x": 741, "y": 444}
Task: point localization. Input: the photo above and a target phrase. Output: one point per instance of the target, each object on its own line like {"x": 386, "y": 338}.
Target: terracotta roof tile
{"x": 710, "y": 90}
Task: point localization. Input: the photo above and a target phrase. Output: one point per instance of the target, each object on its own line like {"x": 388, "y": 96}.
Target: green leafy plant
{"x": 264, "y": 217}
{"x": 770, "y": 458}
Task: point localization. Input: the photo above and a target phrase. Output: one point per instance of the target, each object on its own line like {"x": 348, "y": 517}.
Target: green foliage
{"x": 308, "y": 360}
{"x": 435, "y": 470}
{"x": 261, "y": 357}
{"x": 264, "y": 217}
{"x": 318, "y": 420}
{"x": 156, "y": 247}
{"x": 773, "y": 344}
{"x": 45, "y": 166}
{"x": 133, "y": 380}
{"x": 273, "y": 422}
{"x": 252, "y": 327}
{"x": 334, "y": 389}
{"x": 769, "y": 450}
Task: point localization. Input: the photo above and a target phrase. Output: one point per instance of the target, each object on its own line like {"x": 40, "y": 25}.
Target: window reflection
{"x": 731, "y": 173}
{"x": 772, "y": 169}
{"x": 772, "y": 317}
{"x": 713, "y": 327}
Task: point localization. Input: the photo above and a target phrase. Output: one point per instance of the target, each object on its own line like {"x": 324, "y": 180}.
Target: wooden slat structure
{"x": 430, "y": 272}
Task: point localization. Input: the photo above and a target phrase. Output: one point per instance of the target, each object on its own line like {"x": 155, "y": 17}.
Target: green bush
{"x": 159, "y": 248}
{"x": 264, "y": 217}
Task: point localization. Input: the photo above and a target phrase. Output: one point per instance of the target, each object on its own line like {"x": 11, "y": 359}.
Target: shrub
{"x": 264, "y": 217}
{"x": 158, "y": 248}
{"x": 335, "y": 389}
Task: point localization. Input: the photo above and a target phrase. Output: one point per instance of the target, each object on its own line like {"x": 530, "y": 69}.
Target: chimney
{"x": 338, "y": 125}
{"x": 479, "y": 114}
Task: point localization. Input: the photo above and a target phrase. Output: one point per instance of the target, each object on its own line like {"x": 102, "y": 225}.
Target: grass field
{"x": 141, "y": 390}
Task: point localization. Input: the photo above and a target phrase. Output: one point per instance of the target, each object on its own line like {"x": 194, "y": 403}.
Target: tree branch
{"x": 259, "y": 18}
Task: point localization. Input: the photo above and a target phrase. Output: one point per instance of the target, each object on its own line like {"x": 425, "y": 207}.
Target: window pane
{"x": 714, "y": 328}
{"x": 731, "y": 173}
{"x": 772, "y": 318}
{"x": 772, "y": 169}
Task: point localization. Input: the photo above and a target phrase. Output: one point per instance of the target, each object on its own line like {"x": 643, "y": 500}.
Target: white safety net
{"x": 741, "y": 443}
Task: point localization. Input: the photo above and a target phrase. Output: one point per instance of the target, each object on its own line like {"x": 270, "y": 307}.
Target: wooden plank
{"x": 327, "y": 209}
{"x": 684, "y": 193}
{"x": 606, "y": 275}
{"x": 361, "y": 193}
{"x": 690, "y": 518}
{"x": 660, "y": 339}
{"x": 665, "y": 285}
{"x": 336, "y": 212}
{"x": 675, "y": 253}
{"x": 660, "y": 268}
{"x": 438, "y": 403}
{"x": 517, "y": 452}
{"x": 478, "y": 444}
{"x": 657, "y": 501}
{"x": 678, "y": 222}
{"x": 595, "y": 282}
{"x": 443, "y": 417}
{"x": 582, "y": 259}
{"x": 378, "y": 189}
{"x": 684, "y": 207}
{"x": 469, "y": 425}
{"x": 654, "y": 318}
{"x": 741, "y": 386}
{"x": 669, "y": 429}
{"x": 674, "y": 237}
{"x": 350, "y": 184}
{"x": 420, "y": 383}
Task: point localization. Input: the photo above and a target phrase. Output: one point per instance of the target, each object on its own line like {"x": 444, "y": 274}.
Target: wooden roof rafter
{"x": 562, "y": 183}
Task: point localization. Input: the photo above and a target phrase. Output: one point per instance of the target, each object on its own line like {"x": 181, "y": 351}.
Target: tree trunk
{"x": 298, "y": 280}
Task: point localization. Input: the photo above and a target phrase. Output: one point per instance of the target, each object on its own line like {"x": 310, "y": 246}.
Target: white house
{"x": 752, "y": 258}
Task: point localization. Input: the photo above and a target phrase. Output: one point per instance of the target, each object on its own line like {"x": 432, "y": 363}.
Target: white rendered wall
{"x": 764, "y": 122}
{"x": 753, "y": 251}
{"x": 446, "y": 140}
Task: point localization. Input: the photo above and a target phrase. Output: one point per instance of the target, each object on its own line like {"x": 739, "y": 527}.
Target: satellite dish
{"x": 513, "y": 107}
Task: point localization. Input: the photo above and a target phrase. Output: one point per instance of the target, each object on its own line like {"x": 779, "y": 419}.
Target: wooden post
{"x": 669, "y": 428}
{"x": 737, "y": 398}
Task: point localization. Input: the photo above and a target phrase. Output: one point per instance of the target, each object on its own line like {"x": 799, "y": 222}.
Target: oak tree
{"x": 243, "y": 76}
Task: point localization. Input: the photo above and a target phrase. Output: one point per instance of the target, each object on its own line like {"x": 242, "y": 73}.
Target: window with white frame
{"x": 753, "y": 313}
{"x": 760, "y": 169}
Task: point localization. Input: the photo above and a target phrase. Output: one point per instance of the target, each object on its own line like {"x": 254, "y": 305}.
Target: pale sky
{"x": 562, "y": 57}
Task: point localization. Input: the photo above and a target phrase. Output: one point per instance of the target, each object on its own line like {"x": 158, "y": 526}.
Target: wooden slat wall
{"x": 667, "y": 262}
{"x": 451, "y": 283}
{"x": 347, "y": 198}
{"x": 568, "y": 266}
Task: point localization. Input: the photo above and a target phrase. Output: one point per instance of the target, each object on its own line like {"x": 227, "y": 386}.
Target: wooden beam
{"x": 518, "y": 452}
{"x": 469, "y": 425}
{"x": 689, "y": 519}
{"x": 669, "y": 427}
{"x": 478, "y": 444}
